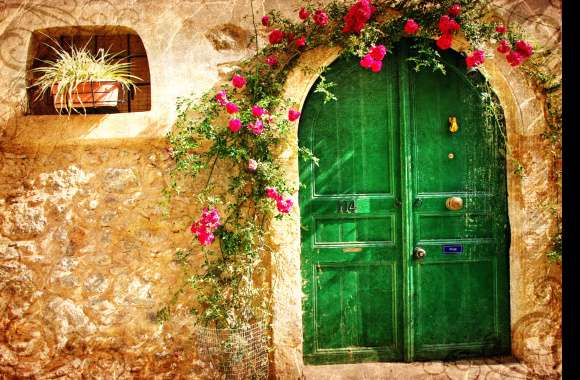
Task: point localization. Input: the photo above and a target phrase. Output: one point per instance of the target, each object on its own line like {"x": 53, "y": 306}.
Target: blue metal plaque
{"x": 453, "y": 249}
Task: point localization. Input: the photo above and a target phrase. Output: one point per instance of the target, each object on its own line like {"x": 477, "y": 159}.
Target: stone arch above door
{"x": 524, "y": 121}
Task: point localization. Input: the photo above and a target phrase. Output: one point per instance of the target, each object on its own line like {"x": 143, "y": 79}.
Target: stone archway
{"x": 514, "y": 95}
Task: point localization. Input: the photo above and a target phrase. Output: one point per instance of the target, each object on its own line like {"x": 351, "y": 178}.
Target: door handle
{"x": 417, "y": 202}
{"x": 419, "y": 253}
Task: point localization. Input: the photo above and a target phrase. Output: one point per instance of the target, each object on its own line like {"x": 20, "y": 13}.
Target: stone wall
{"x": 86, "y": 244}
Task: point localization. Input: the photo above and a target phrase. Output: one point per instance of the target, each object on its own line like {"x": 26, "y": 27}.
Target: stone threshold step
{"x": 504, "y": 368}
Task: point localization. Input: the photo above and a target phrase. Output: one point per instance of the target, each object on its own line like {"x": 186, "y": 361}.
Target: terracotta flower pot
{"x": 88, "y": 95}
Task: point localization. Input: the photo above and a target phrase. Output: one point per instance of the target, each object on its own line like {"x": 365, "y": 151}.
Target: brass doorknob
{"x": 454, "y": 203}
{"x": 419, "y": 253}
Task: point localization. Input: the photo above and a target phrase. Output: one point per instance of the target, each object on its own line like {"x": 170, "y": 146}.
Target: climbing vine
{"x": 228, "y": 138}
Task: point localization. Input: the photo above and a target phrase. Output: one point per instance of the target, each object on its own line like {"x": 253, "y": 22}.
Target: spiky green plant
{"x": 78, "y": 65}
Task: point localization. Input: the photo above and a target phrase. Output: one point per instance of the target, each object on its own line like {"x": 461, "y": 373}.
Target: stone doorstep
{"x": 504, "y": 368}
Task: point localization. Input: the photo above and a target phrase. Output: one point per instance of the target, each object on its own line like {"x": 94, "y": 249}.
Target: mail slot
{"x": 453, "y": 249}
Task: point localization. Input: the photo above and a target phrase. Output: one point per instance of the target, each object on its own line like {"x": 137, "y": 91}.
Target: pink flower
{"x": 357, "y": 16}
{"x": 367, "y": 61}
{"x": 378, "y": 52}
{"x": 203, "y": 227}
{"x": 320, "y": 17}
{"x": 501, "y": 29}
{"x": 411, "y": 27}
{"x": 231, "y": 108}
{"x": 284, "y": 206}
{"x": 257, "y": 111}
{"x": 476, "y": 59}
{"x": 252, "y": 165}
{"x": 257, "y": 128}
{"x": 293, "y": 115}
{"x": 448, "y": 25}
{"x": 238, "y": 81}
{"x": 301, "y": 42}
{"x": 303, "y": 14}
{"x": 272, "y": 193}
{"x": 444, "y": 42}
{"x": 221, "y": 98}
{"x": 515, "y": 58}
{"x": 210, "y": 218}
{"x": 376, "y": 66}
{"x": 276, "y": 36}
{"x": 524, "y": 48}
{"x": 272, "y": 60}
{"x": 205, "y": 237}
{"x": 234, "y": 125}
{"x": 266, "y": 20}
{"x": 455, "y": 10}
{"x": 504, "y": 46}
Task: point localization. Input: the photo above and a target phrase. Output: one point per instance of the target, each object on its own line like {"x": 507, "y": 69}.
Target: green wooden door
{"x": 387, "y": 165}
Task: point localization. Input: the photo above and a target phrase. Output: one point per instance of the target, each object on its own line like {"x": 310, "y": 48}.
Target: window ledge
{"x": 57, "y": 130}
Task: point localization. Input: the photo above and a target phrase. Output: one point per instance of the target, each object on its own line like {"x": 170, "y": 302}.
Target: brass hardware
{"x": 419, "y": 253}
{"x": 454, "y": 203}
{"x": 352, "y": 250}
{"x": 453, "y": 126}
{"x": 450, "y": 156}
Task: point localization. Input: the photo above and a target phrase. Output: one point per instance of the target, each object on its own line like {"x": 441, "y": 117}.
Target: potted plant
{"x": 79, "y": 79}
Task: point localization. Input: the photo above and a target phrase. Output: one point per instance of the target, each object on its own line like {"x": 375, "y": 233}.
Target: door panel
{"x": 459, "y": 298}
{"x": 384, "y": 152}
{"x": 351, "y": 243}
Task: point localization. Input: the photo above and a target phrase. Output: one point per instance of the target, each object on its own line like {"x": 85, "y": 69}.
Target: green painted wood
{"x": 383, "y": 150}
{"x": 351, "y": 263}
{"x": 460, "y": 301}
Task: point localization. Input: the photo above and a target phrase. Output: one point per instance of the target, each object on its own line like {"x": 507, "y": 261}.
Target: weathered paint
{"x": 380, "y": 190}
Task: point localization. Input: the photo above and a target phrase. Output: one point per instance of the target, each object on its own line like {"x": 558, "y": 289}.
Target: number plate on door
{"x": 347, "y": 206}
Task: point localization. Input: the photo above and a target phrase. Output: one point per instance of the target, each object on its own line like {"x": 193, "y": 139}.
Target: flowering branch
{"x": 245, "y": 120}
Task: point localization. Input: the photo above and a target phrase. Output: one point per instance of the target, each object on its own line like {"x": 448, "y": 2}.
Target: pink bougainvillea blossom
{"x": 272, "y": 60}
{"x": 320, "y": 17}
{"x": 444, "y": 42}
{"x": 222, "y": 98}
{"x": 373, "y": 59}
{"x": 476, "y": 59}
{"x": 257, "y": 128}
{"x": 276, "y": 36}
{"x": 266, "y": 20}
{"x": 367, "y": 61}
{"x": 252, "y": 165}
{"x": 515, "y": 58}
{"x": 448, "y": 25}
{"x": 501, "y": 29}
{"x": 303, "y": 14}
{"x": 411, "y": 27}
{"x": 376, "y": 66}
{"x": 204, "y": 227}
{"x": 378, "y": 52}
{"x": 293, "y": 115}
{"x": 285, "y": 205}
{"x": 300, "y": 42}
{"x": 238, "y": 81}
{"x": 357, "y": 16}
{"x": 521, "y": 51}
{"x": 504, "y": 46}
{"x": 524, "y": 48}
{"x": 257, "y": 111}
{"x": 234, "y": 125}
{"x": 231, "y": 108}
{"x": 272, "y": 193}
{"x": 455, "y": 10}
